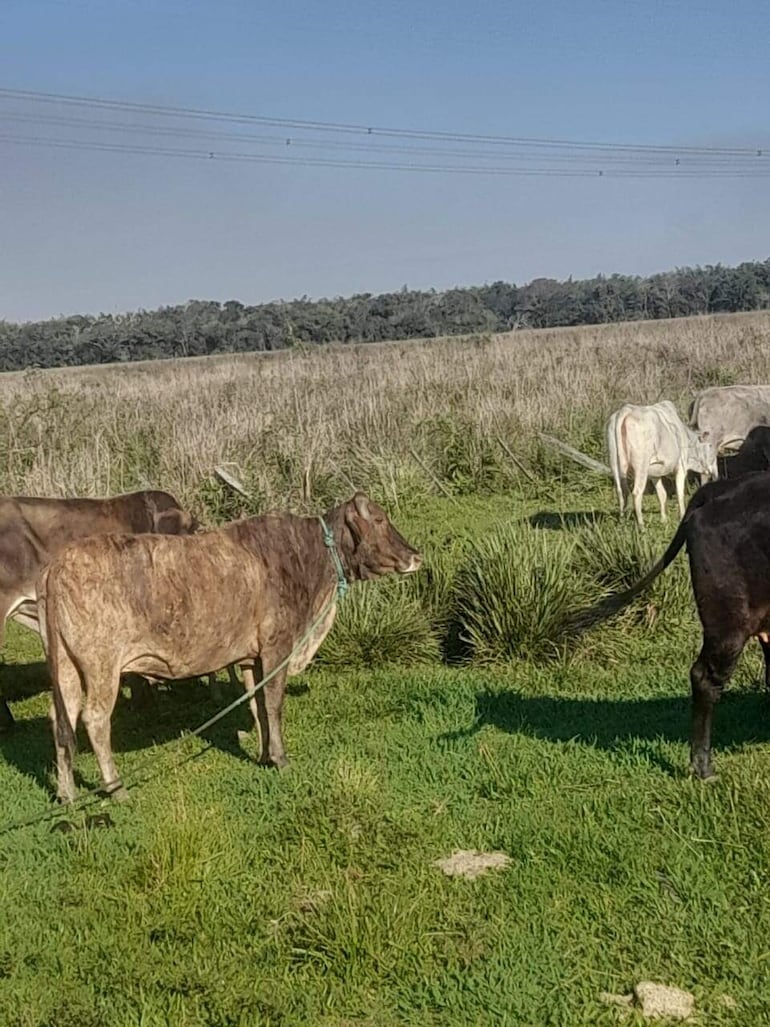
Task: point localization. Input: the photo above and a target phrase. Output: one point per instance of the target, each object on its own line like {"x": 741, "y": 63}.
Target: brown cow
{"x": 34, "y": 530}
{"x": 182, "y": 607}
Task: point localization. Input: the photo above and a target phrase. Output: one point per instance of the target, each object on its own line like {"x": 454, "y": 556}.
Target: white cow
{"x": 653, "y": 442}
{"x": 726, "y": 414}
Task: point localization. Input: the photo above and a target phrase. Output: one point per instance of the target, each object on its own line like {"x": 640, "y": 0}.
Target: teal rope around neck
{"x": 342, "y": 581}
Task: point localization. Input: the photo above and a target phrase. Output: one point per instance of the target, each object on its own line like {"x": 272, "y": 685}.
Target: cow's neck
{"x": 346, "y": 547}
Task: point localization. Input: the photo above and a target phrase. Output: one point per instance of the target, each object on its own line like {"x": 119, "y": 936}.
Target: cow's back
{"x": 654, "y": 436}
{"x": 33, "y": 530}
{"x": 727, "y": 413}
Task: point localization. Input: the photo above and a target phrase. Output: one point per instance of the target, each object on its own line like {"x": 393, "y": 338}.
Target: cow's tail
{"x": 585, "y": 619}
{"x": 615, "y": 448}
{"x": 53, "y": 644}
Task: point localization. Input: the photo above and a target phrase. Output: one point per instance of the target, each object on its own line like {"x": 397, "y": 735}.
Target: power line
{"x": 190, "y": 154}
{"x": 342, "y": 127}
{"x": 282, "y": 141}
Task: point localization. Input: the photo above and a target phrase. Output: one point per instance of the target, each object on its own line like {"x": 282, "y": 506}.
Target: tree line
{"x": 202, "y": 327}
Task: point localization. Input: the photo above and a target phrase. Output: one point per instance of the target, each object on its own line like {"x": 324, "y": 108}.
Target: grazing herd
{"x": 134, "y": 584}
{"x": 725, "y": 528}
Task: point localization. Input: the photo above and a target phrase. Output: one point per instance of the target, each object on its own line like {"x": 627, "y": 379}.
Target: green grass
{"x": 225, "y": 894}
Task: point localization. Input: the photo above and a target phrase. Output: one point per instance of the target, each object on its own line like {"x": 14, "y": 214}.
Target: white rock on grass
{"x": 654, "y": 1001}
{"x": 470, "y": 863}
{"x": 657, "y": 1001}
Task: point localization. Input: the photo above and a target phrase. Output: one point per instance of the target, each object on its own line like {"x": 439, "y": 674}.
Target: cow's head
{"x": 703, "y": 457}
{"x": 168, "y": 517}
{"x": 176, "y": 522}
{"x": 371, "y": 546}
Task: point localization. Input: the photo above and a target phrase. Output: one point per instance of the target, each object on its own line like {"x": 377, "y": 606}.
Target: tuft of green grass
{"x": 380, "y": 626}
{"x": 514, "y": 592}
{"x": 616, "y": 554}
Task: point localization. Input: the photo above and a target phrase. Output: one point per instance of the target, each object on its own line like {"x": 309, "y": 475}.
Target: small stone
{"x": 660, "y": 1000}
{"x": 470, "y": 863}
{"x": 728, "y": 1001}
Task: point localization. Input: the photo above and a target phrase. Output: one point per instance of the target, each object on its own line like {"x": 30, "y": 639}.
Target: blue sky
{"x": 89, "y": 231}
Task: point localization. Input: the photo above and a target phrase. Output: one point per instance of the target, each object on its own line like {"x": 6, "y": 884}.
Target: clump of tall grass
{"x": 616, "y": 554}
{"x": 378, "y": 626}
{"x": 515, "y": 592}
{"x": 465, "y": 459}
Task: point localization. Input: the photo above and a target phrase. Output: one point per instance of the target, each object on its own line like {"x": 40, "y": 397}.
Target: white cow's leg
{"x": 681, "y": 475}
{"x": 660, "y": 488}
{"x": 621, "y": 487}
{"x": 101, "y": 693}
{"x": 640, "y": 483}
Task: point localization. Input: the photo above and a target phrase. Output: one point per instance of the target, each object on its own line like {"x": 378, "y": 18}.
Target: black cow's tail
{"x": 52, "y": 641}
{"x": 585, "y": 619}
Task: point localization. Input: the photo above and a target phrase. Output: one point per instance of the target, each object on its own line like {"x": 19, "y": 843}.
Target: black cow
{"x": 726, "y": 528}
{"x": 754, "y": 455}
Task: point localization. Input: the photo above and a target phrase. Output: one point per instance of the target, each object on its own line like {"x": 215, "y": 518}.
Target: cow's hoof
{"x": 99, "y": 820}
{"x": 703, "y": 772}
{"x": 119, "y": 793}
{"x": 63, "y": 827}
{"x": 281, "y": 763}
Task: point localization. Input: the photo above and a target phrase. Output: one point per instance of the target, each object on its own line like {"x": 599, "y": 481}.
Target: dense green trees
{"x": 201, "y": 326}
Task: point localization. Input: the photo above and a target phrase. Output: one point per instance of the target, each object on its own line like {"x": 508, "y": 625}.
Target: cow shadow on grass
{"x": 621, "y": 726}
{"x": 22, "y": 680}
{"x": 164, "y": 716}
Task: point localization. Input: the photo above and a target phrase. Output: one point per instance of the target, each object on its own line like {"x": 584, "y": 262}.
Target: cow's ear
{"x": 361, "y": 503}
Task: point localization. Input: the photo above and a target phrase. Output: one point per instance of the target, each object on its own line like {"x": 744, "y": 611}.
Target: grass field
{"x": 225, "y": 894}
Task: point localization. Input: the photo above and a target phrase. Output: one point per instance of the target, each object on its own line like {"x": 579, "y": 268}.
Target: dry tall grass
{"x": 305, "y": 426}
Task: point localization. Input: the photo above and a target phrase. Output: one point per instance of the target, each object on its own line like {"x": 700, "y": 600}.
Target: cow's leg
{"x": 660, "y": 488}
{"x": 766, "y": 653}
{"x": 101, "y": 694}
{"x": 681, "y": 477}
{"x": 640, "y": 483}
{"x": 65, "y": 710}
{"x": 141, "y": 691}
{"x": 621, "y": 488}
{"x": 708, "y": 676}
{"x": 6, "y": 717}
{"x": 215, "y": 689}
{"x": 266, "y": 706}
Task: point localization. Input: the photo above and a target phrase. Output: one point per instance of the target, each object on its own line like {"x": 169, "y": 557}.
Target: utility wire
{"x": 651, "y": 160}
{"x": 342, "y": 127}
{"x": 681, "y": 172}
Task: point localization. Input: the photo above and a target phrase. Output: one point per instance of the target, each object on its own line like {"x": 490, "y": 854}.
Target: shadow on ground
{"x": 164, "y": 714}
{"x": 557, "y": 520}
{"x": 615, "y": 725}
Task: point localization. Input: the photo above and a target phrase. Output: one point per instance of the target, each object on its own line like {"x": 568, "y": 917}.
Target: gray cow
{"x": 726, "y": 414}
